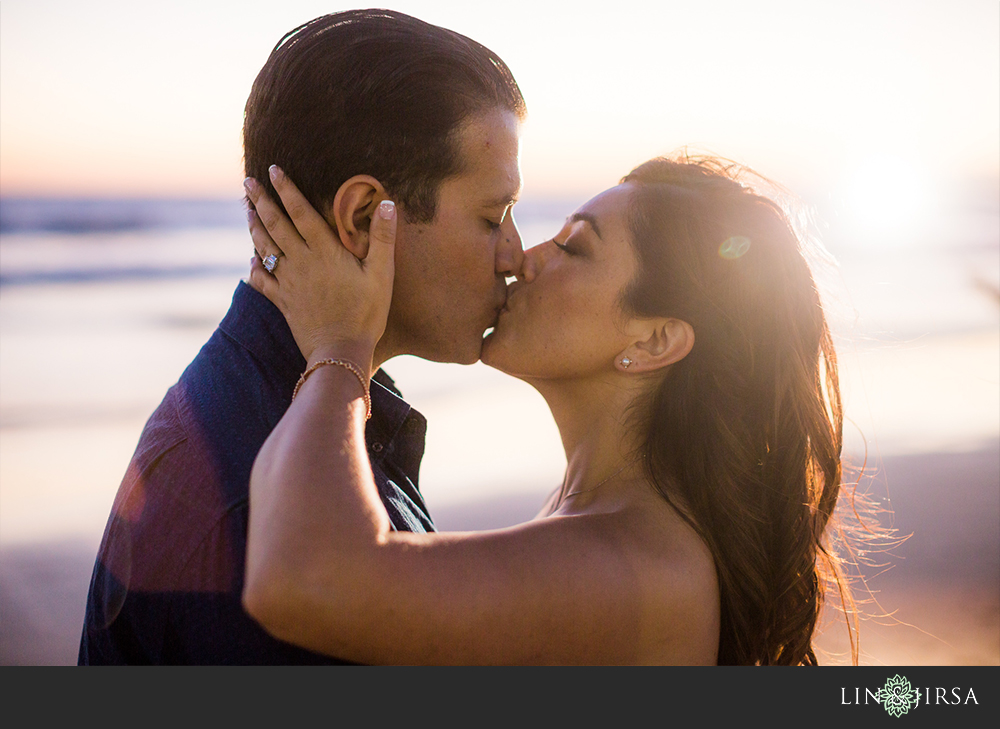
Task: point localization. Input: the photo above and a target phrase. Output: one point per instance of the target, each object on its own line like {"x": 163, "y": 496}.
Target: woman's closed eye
{"x": 564, "y": 247}
{"x": 492, "y": 224}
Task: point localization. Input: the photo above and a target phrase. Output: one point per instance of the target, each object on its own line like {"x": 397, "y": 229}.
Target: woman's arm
{"x": 325, "y": 571}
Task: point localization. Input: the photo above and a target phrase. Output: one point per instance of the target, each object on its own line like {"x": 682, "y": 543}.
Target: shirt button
{"x": 377, "y": 447}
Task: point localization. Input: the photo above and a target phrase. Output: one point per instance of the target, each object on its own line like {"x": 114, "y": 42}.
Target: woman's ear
{"x": 353, "y": 206}
{"x": 660, "y": 343}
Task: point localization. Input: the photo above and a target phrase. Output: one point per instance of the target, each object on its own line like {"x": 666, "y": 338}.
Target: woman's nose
{"x": 534, "y": 261}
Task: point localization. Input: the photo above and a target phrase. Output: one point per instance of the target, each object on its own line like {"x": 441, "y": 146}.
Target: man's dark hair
{"x": 371, "y": 92}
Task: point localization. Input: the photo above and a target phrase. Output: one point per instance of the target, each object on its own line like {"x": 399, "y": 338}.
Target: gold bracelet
{"x": 340, "y": 363}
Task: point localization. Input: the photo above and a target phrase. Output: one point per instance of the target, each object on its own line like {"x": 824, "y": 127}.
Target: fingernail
{"x": 274, "y": 171}
{"x": 248, "y": 184}
{"x": 386, "y": 209}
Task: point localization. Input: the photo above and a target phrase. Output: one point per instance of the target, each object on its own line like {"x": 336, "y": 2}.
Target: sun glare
{"x": 889, "y": 200}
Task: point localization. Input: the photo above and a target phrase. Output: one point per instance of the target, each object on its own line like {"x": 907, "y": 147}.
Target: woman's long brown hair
{"x": 745, "y": 433}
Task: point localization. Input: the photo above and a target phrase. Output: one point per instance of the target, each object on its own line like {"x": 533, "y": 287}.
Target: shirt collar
{"x": 389, "y": 412}
{"x": 259, "y": 327}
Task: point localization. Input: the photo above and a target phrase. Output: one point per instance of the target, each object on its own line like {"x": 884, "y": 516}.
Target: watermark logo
{"x": 897, "y": 696}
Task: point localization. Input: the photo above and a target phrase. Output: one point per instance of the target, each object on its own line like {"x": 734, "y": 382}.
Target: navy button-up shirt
{"x": 167, "y": 584}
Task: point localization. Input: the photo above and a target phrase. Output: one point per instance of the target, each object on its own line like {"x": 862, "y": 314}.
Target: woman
{"x": 674, "y": 329}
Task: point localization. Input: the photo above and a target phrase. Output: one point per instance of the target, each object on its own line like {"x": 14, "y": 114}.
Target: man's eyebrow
{"x": 504, "y": 201}
{"x": 586, "y": 218}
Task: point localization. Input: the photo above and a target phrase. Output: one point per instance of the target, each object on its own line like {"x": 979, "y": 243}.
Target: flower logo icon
{"x": 897, "y": 696}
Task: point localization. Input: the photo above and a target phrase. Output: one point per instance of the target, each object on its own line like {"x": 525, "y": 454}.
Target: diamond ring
{"x": 270, "y": 262}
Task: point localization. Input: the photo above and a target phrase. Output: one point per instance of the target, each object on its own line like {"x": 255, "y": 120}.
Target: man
{"x": 351, "y": 106}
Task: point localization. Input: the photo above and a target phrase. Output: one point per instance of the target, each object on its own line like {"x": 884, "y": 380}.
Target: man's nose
{"x": 510, "y": 254}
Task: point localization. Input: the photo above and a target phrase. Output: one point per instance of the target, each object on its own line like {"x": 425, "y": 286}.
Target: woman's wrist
{"x": 337, "y": 367}
{"x": 357, "y": 353}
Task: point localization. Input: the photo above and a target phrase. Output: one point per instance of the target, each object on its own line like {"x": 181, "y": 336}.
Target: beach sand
{"x": 938, "y": 603}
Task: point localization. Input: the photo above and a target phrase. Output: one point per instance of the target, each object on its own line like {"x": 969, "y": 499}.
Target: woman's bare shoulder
{"x": 675, "y": 574}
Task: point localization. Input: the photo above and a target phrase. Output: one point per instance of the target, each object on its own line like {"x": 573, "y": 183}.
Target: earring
{"x": 625, "y": 361}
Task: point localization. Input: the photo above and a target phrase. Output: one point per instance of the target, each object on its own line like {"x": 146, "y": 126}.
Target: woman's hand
{"x": 336, "y": 304}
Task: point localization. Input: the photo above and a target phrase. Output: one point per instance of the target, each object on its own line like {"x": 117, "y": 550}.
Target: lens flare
{"x": 734, "y": 247}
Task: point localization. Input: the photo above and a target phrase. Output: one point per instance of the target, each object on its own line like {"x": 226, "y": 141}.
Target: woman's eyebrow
{"x": 586, "y": 218}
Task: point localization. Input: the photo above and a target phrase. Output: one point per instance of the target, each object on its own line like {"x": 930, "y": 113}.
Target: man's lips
{"x": 511, "y": 288}
{"x": 504, "y": 305}
{"x": 499, "y": 311}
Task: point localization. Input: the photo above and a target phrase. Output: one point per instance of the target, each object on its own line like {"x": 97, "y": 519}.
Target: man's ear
{"x": 660, "y": 343}
{"x": 352, "y": 210}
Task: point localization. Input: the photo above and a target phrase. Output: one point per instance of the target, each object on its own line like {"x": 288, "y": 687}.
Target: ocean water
{"x": 103, "y": 303}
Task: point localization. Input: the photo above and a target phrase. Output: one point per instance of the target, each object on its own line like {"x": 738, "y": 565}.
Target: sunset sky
{"x": 874, "y": 98}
